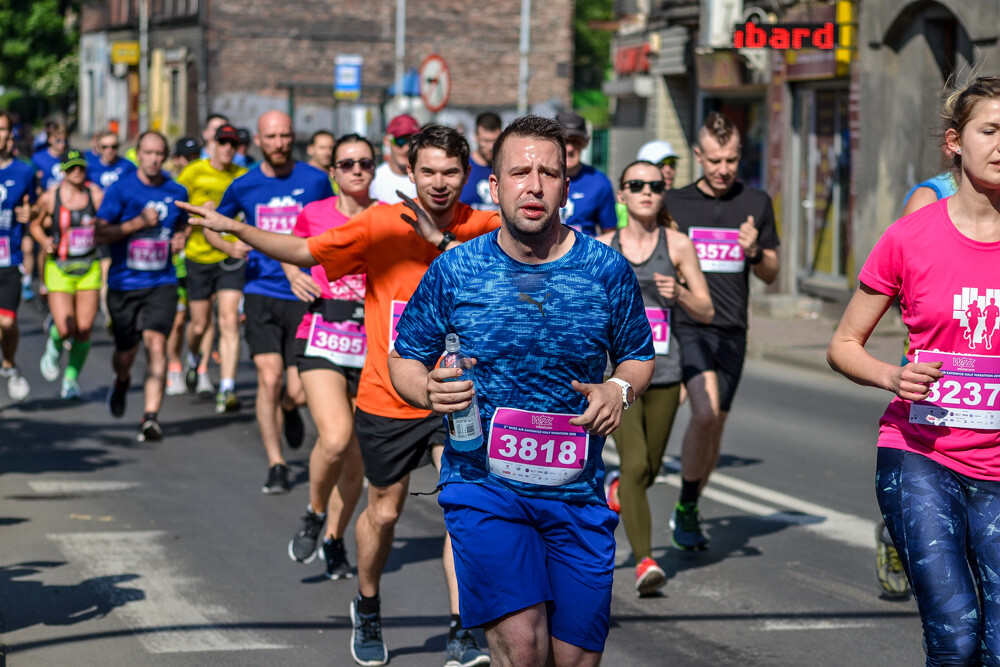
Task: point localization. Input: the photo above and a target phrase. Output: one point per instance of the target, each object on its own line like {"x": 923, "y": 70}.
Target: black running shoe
{"x": 116, "y": 397}
{"x": 191, "y": 379}
{"x": 150, "y": 431}
{"x": 302, "y": 547}
{"x": 295, "y": 430}
{"x": 277, "y": 480}
{"x": 335, "y": 554}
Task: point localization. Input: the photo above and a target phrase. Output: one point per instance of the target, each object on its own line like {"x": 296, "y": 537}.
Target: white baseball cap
{"x": 656, "y": 152}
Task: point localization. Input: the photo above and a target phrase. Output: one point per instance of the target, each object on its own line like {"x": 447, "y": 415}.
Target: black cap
{"x": 187, "y": 147}
{"x": 574, "y": 124}
{"x": 244, "y": 136}
{"x": 227, "y": 133}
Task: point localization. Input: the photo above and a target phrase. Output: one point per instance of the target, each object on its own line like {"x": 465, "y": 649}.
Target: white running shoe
{"x": 17, "y": 386}
{"x": 70, "y": 389}
{"x": 205, "y": 386}
{"x": 175, "y": 383}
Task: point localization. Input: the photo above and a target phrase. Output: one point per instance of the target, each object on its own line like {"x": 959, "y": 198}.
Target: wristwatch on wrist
{"x": 758, "y": 257}
{"x": 446, "y": 238}
{"x": 626, "y": 388}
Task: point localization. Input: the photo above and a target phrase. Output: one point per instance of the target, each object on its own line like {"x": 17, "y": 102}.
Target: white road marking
{"x": 78, "y": 486}
{"x": 169, "y": 618}
{"x": 825, "y": 522}
{"x": 815, "y": 625}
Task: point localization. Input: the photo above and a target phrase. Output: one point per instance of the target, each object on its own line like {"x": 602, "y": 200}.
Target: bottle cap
{"x": 451, "y": 343}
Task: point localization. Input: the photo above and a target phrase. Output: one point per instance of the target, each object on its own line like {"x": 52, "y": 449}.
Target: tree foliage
{"x": 35, "y": 42}
{"x": 592, "y": 58}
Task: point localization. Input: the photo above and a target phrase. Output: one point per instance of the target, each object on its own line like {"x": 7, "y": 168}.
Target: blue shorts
{"x": 513, "y": 552}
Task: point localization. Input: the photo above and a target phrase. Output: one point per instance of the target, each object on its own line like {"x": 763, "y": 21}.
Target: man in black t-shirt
{"x": 732, "y": 227}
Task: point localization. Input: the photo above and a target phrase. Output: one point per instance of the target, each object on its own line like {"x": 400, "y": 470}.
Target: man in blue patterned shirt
{"x": 541, "y": 308}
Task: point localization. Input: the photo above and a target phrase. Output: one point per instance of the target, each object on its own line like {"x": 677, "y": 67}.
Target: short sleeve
{"x": 883, "y": 268}
{"x": 631, "y": 337}
{"x": 343, "y": 250}
{"x": 767, "y": 231}
{"x": 424, "y": 324}
{"x": 111, "y": 205}
{"x": 230, "y": 204}
{"x": 303, "y": 221}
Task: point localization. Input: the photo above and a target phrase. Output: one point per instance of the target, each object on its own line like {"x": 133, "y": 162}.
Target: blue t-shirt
{"x": 104, "y": 175}
{"x": 49, "y": 166}
{"x": 16, "y": 180}
{"x": 591, "y": 202}
{"x": 533, "y": 328}
{"x": 476, "y": 192}
{"x": 142, "y": 260}
{"x": 272, "y": 204}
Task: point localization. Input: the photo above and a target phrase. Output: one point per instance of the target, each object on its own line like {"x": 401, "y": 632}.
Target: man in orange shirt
{"x": 393, "y": 245}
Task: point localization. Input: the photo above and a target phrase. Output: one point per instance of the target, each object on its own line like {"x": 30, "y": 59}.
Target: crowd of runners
{"x": 587, "y": 311}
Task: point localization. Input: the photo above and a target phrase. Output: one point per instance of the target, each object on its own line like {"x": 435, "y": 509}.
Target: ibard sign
{"x": 784, "y": 36}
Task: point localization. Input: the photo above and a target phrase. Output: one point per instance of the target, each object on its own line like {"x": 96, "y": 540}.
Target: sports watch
{"x": 626, "y": 388}
{"x": 446, "y": 238}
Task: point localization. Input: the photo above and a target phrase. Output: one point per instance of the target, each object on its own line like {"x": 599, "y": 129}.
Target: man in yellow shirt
{"x": 213, "y": 272}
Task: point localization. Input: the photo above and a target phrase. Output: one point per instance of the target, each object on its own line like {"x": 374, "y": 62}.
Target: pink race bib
{"x": 968, "y": 396}
{"x": 278, "y": 219}
{"x": 394, "y": 315}
{"x": 659, "y": 322}
{"x": 342, "y": 343}
{"x": 348, "y": 288}
{"x": 4, "y": 251}
{"x": 81, "y": 241}
{"x": 148, "y": 254}
{"x": 718, "y": 250}
{"x": 536, "y": 447}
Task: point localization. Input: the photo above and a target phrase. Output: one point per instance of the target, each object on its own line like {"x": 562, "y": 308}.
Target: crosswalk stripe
{"x": 79, "y": 486}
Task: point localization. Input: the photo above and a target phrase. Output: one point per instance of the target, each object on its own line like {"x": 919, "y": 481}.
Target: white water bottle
{"x": 464, "y": 428}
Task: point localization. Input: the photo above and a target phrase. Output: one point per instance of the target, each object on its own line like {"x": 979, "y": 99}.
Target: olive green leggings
{"x": 641, "y": 439}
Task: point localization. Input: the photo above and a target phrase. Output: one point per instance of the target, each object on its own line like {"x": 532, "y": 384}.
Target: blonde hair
{"x": 958, "y": 107}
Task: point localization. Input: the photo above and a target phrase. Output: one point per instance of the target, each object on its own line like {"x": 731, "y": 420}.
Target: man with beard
{"x": 271, "y": 196}
{"x": 140, "y": 220}
{"x": 393, "y": 245}
{"x": 540, "y": 307}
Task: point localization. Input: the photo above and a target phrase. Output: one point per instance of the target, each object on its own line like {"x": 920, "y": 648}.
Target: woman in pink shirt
{"x": 330, "y": 351}
{"x": 938, "y": 472}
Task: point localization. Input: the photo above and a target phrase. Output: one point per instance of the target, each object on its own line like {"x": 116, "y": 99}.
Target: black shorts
{"x": 304, "y": 363}
{"x": 393, "y": 448}
{"x": 138, "y": 310}
{"x": 204, "y": 280}
{"x": 713, "y": 349}
{"x": 271, "y": 325}
{"x": 10, "y": 291}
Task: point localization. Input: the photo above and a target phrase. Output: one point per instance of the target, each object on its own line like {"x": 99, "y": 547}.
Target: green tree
{"x": 37, "y": 45}
{"x": 592, "y": 57}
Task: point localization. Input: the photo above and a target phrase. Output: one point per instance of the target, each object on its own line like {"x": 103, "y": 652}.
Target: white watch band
{"x": 625, "y": 387}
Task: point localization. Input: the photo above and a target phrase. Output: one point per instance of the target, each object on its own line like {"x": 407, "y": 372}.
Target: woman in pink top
{"x": 330, "y": 351}
{"x": 938, "y": 472}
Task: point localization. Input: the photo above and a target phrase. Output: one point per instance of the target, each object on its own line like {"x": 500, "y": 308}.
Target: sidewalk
{"x": 799, "y": 335}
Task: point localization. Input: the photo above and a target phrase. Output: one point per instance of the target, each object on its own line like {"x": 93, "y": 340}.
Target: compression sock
{"x": 77, "y": 358}
{"x": 690, "y": 491}
{"x": 53, "y": 345}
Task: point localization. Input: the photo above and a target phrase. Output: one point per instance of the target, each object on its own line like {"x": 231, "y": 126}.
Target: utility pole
{"x": 525, "y": 49}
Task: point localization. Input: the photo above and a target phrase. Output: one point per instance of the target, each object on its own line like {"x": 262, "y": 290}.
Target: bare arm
{"x": 847, "y": 354}
{"x": 767, "y": 268}
{"x": 429, "y": 388}
{"x": 921, "y": 197}
{"x": 694, "y": 296}
{"x": 302, "y": 284}
{"x": 41, "y": 222}
{"x": 286, "y": 248}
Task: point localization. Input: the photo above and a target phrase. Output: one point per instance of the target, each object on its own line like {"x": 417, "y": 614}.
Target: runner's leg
{"x": 268, "y": 406}
{"x": 375, "y": 530}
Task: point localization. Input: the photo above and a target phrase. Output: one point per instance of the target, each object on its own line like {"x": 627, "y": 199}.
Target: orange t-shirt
{"x": 380, "y": 243}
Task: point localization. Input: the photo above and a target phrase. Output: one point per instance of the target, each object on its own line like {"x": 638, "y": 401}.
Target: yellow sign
{"x": 125, "y": 53}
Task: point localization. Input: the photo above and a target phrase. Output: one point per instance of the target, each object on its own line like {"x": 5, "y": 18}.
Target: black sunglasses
{"x": 232, "y": 142}
{"x": 367, "y": 164}
{"x": 403, "y": 140}
{"x": 635, "y": 187}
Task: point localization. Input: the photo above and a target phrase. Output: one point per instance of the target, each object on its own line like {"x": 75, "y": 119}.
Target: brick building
{"x": 241, "y": 58}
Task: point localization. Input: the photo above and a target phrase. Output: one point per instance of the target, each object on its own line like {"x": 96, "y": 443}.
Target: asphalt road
{"x": 114, "y": 552}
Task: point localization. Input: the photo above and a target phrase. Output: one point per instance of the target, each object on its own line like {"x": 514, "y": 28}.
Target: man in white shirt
{"x": 391, "y": 175}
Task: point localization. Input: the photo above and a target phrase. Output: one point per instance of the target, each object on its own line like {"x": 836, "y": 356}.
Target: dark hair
{"x": 447, "y": 139}
{"x": 535, "y": 127}
{"x": 489, "y": 121}
{"x": 320, "y": 133}
{"x": 351, "y": 139}
{"x": 960, "y": 105}
{"x": 213, "y": 116}
{"x": 719, "y": 127}
{"x": 166, "y": 144}
{"x": 663, "y": 217}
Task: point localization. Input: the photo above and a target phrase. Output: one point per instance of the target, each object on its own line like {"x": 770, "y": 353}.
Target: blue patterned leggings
{"x": 946, "y": 527}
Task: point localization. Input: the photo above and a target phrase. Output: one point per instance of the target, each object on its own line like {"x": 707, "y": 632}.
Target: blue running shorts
{"x": 512, "y": 552}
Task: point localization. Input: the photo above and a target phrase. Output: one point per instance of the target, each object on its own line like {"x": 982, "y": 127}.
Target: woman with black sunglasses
{"x": 666, "y": 266}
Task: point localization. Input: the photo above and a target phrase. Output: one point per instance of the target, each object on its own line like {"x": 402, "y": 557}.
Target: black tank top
{"x": 668, "y": 366}
{"x": 73, "y": 231}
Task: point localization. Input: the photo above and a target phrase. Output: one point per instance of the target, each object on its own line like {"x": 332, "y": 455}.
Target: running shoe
{"x": 175, "y": 383}
{"x": 277, "y": 480}
{"x": 204, "y": 386}
{"x": 27, "y": 294}
{"x": 335, "y": 555}
{"x": 649, "y": 578}
{"x": 295, "y": 430}
{"x": 227, "y": 401}
{"x": 464, "y": 651}
{"x": 611, "y": 491}
{"x": 49, "y": 363}
{"x": 191, "y": 379}
{"x": 116, "y": 397}
{"x": 303, "y": 547}
{"x": 150, "y": 431}
{"x": 367, "y": 647}
{"x": 70, "y": 389}
{"x": 17, "y": 385}
{"x": 686, "y": 526}
{"x": 888, "y": 566}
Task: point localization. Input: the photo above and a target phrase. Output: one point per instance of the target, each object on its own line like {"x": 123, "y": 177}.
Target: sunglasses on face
{"x": 229, "y": 142}
{"x": 402, "y": 141}
{"x": 656, "y": 187}
{"x": 108, "y": 147}
{"x": 367, "y": 164}
{"x": 670, "y": 162}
